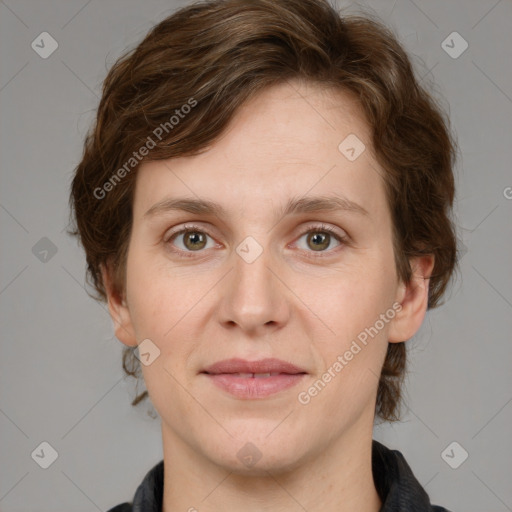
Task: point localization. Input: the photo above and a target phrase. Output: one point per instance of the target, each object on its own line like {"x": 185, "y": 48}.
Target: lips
{"x": 251, "y": 380}
{"x": 261, "y": 368}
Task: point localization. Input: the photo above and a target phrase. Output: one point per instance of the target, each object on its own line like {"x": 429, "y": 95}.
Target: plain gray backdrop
{"x": 61, "y": 377}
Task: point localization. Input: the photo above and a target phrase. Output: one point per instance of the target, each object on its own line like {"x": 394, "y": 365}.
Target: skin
{"x": 214, "y": 305}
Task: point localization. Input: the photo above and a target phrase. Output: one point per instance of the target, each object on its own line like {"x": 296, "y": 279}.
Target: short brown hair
{"x": 217, "y": 54}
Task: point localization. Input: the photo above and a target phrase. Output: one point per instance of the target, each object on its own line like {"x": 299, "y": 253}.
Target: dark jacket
{"x": 398, "y": 489}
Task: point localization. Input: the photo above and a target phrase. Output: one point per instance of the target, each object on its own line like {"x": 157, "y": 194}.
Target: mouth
{"x": 254, "y": 379}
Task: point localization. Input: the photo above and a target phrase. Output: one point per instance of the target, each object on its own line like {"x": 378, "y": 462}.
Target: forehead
{"x": 296, "y": 120}
{"x": 287, "y": 140}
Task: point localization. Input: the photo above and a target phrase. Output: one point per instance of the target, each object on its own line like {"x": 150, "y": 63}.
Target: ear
{"x": 118, "y": 310}
{"x": 413, "y": 297}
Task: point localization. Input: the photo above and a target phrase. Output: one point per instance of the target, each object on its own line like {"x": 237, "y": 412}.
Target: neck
{"x": 339, "y": 479}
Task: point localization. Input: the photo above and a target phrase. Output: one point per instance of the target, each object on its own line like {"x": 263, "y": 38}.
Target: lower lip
{"x": 254, "y": 387}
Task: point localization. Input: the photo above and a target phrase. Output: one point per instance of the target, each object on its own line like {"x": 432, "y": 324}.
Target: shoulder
{"x": 396, "y": 484}
{"x": 149, "y": 494}
{"x": 123, "y": 507}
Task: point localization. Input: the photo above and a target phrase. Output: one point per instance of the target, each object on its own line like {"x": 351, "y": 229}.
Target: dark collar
{"x": 396, "y": 485}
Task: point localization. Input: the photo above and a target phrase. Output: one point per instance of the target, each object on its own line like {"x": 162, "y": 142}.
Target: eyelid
{"x": 184, "y": 228}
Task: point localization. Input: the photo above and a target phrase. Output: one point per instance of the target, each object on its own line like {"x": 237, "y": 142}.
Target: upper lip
{"x": 237, "y": 365}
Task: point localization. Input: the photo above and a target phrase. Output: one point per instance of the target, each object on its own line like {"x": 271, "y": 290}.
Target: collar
{"x": 396, "y": 484}
{"x": 394, "y": 481}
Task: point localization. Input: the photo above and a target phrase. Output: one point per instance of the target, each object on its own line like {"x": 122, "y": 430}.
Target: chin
{"x": 259, "y": 455}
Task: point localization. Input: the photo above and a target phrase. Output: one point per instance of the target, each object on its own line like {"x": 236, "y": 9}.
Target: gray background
{"x": 61, "y": 377}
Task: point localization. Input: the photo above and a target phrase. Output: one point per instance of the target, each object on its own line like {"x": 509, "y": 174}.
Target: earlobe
{"x": 118, "y": 309}
{"x": 413, "y": 298}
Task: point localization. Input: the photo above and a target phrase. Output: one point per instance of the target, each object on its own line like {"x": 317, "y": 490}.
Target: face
{"x": 253, "y": 280}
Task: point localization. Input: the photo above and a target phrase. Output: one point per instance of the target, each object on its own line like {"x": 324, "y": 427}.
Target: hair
{"x": 177, "y": 90}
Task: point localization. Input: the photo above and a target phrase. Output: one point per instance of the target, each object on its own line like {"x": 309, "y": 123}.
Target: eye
{"x": 320, "y": 237}
{"x": 193, "y": 239}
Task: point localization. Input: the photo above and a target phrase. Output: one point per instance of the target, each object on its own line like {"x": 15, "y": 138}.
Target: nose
{"x": 253, "y": 295}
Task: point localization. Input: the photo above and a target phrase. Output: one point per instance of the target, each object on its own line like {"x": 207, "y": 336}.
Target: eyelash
{"x": 321, "y": 228}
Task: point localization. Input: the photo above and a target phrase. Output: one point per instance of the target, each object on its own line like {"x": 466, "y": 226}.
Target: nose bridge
{"x": 252, "y": 298}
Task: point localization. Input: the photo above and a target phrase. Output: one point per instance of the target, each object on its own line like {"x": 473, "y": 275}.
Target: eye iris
{"x": 194, "y": 237}
{"x": 319, "y": 237}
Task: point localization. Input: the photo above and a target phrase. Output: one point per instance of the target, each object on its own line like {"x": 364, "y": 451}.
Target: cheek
{"x": 351, "y": 353}
{"x": 156, "y": 299}
{"x": 351, "y": 300}
{"x": 167, "y": 308}
{"x": 354, "y": 347}
{"x": 165, "y": 312}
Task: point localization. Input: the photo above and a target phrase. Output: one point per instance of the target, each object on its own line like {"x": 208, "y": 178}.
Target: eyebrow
{"x": 295, "y": 205}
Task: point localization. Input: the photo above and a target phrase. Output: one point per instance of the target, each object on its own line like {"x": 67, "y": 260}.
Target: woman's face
{"x": 256, "y": 281}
